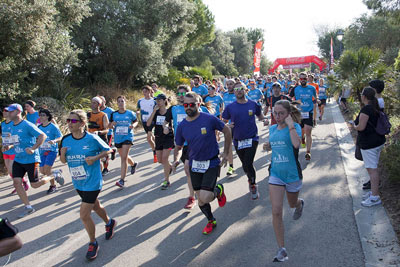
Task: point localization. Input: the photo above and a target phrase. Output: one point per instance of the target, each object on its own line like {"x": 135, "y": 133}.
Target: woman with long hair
{"x": 285, "y": 172}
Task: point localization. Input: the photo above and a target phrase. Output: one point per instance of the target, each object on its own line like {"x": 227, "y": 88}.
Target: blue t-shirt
{"x": 108, "y": 111}
{"x": 122, "y": 131}
{"x": 200, "y": 90}
{"x": 255, "y": 95}
{"x": 216, "y": 102}
{"x": 243, "y": 117}
{"x": 307, "y": 95}
{"x": 284, "y": 159}
{"x": 322, "y": 92}
{"x": 201, "y": 139}
{"x": 267, "y": 87}
{"x": 84, "y": 177}
{"x": 5, "y": 136}
{"x": 34, "y": 117}
{"x": 52, "y": 132}
{"x": 229, "y": 98}
{"x": 24, "y": 135}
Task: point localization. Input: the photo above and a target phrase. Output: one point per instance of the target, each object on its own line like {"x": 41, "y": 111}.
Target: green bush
{"x": 390, "y": 156}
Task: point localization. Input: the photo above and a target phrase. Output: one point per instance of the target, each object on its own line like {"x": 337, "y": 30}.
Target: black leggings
{"x": 246, "y": 156}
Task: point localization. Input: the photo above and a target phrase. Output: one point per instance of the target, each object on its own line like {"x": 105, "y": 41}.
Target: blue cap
{"x": 13, "y": 107}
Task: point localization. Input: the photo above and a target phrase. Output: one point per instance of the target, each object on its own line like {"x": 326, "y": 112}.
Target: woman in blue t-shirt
{"x": 285, "y": 171}
{"x": 83, "y": 151}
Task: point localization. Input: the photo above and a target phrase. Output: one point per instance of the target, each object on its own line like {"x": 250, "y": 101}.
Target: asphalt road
{"x": 154, "y": 229}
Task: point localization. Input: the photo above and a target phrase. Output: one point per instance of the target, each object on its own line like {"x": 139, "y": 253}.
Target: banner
{"x": 331, "y": 53}
{"x": 297, "y": 61}
{"x": 257, "y": 57}
{"x": 296, "y": 66}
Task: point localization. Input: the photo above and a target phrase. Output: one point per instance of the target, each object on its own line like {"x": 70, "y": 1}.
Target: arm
{"x": 39, "y": 141}
{"x": 227, "y": 144}
{"x": 91, "y": 160}
{"x": 63, "y": 159}
{"x": 294, "y": 137}
{"x": 362, "y": 122}
{"x": 150, "y": 120}
{"x": 105, "y": 122}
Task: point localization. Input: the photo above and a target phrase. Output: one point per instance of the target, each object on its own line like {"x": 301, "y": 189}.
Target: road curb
{"x": 378, "y": 239}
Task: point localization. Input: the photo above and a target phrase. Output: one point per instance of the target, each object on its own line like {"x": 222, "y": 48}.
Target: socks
{"x": 231, "y": 165}
{"x": 217, "y": 191}
{"x": 206, "y": 209}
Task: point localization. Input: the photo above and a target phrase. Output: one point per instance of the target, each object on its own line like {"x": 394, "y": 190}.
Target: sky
{"x": 288, "y": 24}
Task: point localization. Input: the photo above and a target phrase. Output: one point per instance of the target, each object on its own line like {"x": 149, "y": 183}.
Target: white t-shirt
{"x": 146, "y": 107}
{"x": 381, "y": 103}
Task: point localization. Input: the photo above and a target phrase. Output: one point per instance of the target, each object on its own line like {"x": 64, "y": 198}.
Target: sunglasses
{"x": 5, "y": 110}
{"x": 181, "y": 94}
{"x": 42, "y": 115}
{"x": 192, "y": 105}
{"x": 73, "y": 121}
{"x": 303, "y": 79}
{"x": 239, "y": 88}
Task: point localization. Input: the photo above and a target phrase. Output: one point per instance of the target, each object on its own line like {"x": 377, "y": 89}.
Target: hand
{"x": 90, "y": 160}
{"x": 266, "y": 123}
{"x": 51, "y": 142}
{"x": 130, "y": 127}
{"x": 174, "y": 165}
{"x": 29, "y": 150}
{"x": 289, "y": 121}
{"x": 230, "y": 125}
{"x": 114, "y": 123}
{"x": 156, "y": 107}
{"x": 224, "y": 160}
{"x": 5, "y": 148}
{"x": 267, "y": 146}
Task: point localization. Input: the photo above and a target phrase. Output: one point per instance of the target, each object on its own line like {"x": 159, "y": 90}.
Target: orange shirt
{"x": 316, "y": 87}
{"x": 96, "y": 121}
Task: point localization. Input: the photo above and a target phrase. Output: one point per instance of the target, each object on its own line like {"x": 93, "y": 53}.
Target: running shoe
{"x": 308, "y": 156}
{"x": 120, "y": 183}
{"x": 303, "y": 142}
{"x": 105, "y": 172}
{"x": 366, "y": 195}
{"x": 281, "y": 256}
{"x": 230, "y": 171}
{"x": 26, "y": 211}
{"x": 155, "y": 158}
{"x": 92, "y": 251}
{"x": 190, "y": 203}
{"x": 110, "y": 229}
{"x": 298, "y": 211}
{"x": 58, "y": 177}
{"x": 13, "y": 192}
{"x": 165, "y": 185}
{"x": 371, "y": 201}
{"x": 254, "y": 191}
{"x": 52, "y": 189}
{"x": 114, "y": 151}
{"x": 221, "y": 197}
{"x": 133, "y": 168}
{"x": 26, "y": 185}
{"x": 367, "y": 185}
{"x": 210, "y": 227}
{"x": 320, "y": 118}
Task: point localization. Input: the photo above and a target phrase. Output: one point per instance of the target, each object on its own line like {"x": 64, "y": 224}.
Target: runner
{"x": 198, "y": 88}
{"x": 216, "y": 101}
{"x": 98, "y": 124}
{"x": 123, "y": 121}
{"x": 82, "y": 152}
{"x": 312, "y": 82}
{"x": 155, "y": 91}
{"x": 178, "y": 115}
{"x": 31, "y": 114}
{"x": 145, "y": 107}
{"x": 49, "y": 149}
{"x": 306, "y": 95}
{"x": 108, "y": 111}
{"x": 26, "y": 138}
{"x": 322, "y": 98}
{"x": 241, "y": 114}
{"x": 285, "y": 170}
{"x": 198, "y": 131}
{"x": 255, "y": 94}
{"x": 229, "y": 98}
{"x": 161, "y": 117}
{"x": 9, "y": 155}
{"x": 267, "y": 87}
{"x": 270, "y": 101}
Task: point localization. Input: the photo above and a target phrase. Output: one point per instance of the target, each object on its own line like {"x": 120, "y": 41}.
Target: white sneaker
{"x": 366, "y": 195}
{"x": 371, "y": 201}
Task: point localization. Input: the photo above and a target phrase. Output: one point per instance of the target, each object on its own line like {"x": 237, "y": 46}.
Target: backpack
{"x": 383, "y": 125}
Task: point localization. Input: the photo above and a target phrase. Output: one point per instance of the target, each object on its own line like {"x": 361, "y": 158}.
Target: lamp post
{"x": 339, "y": 36}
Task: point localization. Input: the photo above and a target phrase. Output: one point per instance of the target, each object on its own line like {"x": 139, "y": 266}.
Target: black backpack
{"x": 383, "y": 125}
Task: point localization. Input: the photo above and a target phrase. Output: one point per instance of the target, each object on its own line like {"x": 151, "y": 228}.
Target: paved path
{"x": 154, "y": 230}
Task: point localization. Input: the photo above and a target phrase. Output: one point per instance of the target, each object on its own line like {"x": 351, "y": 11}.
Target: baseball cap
{"x": 13, "y": 107}
{"x": 276, "y": 84}
{"x": 161, "y": 96}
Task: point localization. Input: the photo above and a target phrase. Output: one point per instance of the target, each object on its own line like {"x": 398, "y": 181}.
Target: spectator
{"x": 378, "y": 85}
{"x": 346, "y": 92}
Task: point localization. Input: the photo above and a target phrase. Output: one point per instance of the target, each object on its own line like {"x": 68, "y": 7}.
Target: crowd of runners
{"x": 289, "y": 106}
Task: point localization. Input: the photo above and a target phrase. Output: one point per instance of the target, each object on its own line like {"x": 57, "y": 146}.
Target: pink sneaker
{"x": 26, "y": 185}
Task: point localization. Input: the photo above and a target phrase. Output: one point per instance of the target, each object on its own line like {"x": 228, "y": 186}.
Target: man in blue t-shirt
{"x": 198, "y": 130}
{"x": 255, "y": 94}
{"x": 242, "y": 115}
{"x": 306, "y": 96}
{"x": 198, "y": 88}
{"x": 229, "y": 97}
{"x": 26, "y": 138}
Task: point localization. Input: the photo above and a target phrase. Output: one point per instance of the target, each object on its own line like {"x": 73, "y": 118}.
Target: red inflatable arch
{"x": 297, "y": 62}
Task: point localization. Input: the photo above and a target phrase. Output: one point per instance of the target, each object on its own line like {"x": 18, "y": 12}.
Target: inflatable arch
{"x": 297, "y": 62}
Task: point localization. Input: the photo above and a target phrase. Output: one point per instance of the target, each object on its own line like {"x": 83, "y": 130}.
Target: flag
{"x": 331, "y": 53}
{"x": 257, "y": 57}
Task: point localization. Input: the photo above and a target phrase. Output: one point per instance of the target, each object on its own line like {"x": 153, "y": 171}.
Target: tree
{"x": 205, "y": 24}
{"x": 127, "y": 41}
{"x": 253, "y": 34}
{"x": 265, "y": 65}
{"x": 325, "y": 34}
{"x": 36, "y": 50}
{"x": 221, "y": 55}
{"x": 385, "y": 8}
{"x": 242, "y": 49}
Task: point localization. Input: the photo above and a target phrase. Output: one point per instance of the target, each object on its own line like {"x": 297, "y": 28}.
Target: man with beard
{"x": 242, "y": 114}
{"x": 198, "y": 130}
{"x": 306, "y": 96}
{"x": 198, "y": 88}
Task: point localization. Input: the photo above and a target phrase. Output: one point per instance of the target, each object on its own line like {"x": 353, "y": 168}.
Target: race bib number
{"x": 200, "y": 166}
{"x": 122, "y": 130}
{"x": 78, "y": 173}
{"x": 45, "y": 146}
{"x": 160, "y": 120}
{"x": 7, "y": 141}
{"x": 14, "y": 140}
{"x": 145, "y": 118}
{"x": 245, "y": 143}
{"x": 180, "y": 117}
{"x": 305, "y": 115}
